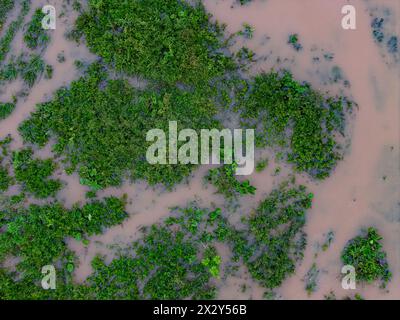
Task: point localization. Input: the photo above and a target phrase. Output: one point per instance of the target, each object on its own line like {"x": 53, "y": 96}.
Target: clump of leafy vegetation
{"x": 176, "y": 42}
{"x": 6, "y": 109}
{"x": 35, "y": 36}
{"x": 5, "y": 179}
{"x": 10, "y": 33}
{"x": 37, "y": 234}
{"x": 292, "y": 116}
{"x": 5, "y": 7}
{"x": 311, "y": 279}
{"x": 329, "y": 237}
{"x": 101, "y": 125}
{"x": 294, "y": 41}
{"x": 28, "y": 67}
{"x": 365, "y": 253}
{"x": 170, "y": 261}
{"x": 33, "y": 174}
{"x": 272, "y": 240}
{"x": 277, "y": 238}
{"x": 226, "y": 183}
{"x": 247, "y": 31}
{"x": 261, "y": 165}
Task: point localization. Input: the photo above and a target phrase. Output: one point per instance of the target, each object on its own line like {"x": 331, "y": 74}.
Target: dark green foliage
{"x": 48, "y": 72}
{"x": 365, "y": 253}
{"x": 10, "y": 33}
{"x": 165, "y": 40}
{"x": 102, "y": 131}
{"x": 37, "y": 234}
{"x": 5, "y": 7}
{"x": 261, "y": 165}
{"x": 273, "y": 239}
{"x": 35, "y": 36}
{"x": 294, "y": 41}
{"x": 5, "y": 180}
{"x": 34, "y": 174}
{"x": 29, "y": 68}
{"x": 226, "y": 183}
{"x": 292, "y": 116}
{"x": 6, "y": 109}
{"x": 276, "y": 229}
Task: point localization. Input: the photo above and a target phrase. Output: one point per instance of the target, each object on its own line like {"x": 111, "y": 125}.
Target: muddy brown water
{"x": 364, "y": 189}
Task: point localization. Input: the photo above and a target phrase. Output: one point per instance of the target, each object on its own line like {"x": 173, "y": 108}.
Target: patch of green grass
{"x": 365, "y": 253}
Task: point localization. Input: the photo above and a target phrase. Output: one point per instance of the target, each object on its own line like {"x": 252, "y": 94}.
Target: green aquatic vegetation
{"x": 5, "y": 179}
{"x": 28, "y": 67}
{"x": 329, "y": 238}
{"x": 277, "y": 227}
{"x": 294, "y": 41}
{"x": 212, "y": 261}
{"x": 261, "y": 165}
{"x": 176, "y": 42}
{"x": 273, "y": 240}
{"x": 100, "y": 126}
{"x": 168, "y": 262}
{"x": 5, "y": 7}
{"x": 37, "y": 234}
{"x": 247, "y": 31}
{"x": 35, "y": 36}
{"x": 311, "y": 279}
{"x": 365, "y": 253}
{"x": 48, "y": 72}
{"x": 33, "y": 174}
{"x": 31, "y": 69}
{"x": 226, "y": 183}
{"x": 6, "y": 109}
{"x": 61, "y": 57}
{"x": 294, "y": 117}
{"x": 10, "y": 33}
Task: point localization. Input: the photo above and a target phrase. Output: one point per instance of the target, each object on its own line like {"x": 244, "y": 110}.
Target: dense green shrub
{"x": 35, "y": 36}
{"x": 34, "y": 174}
{"x": 101, "y": 127}
{"x": 164, "y": 40}
{"x": 293, "y": 116}
{"x": 365, "y": 253}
